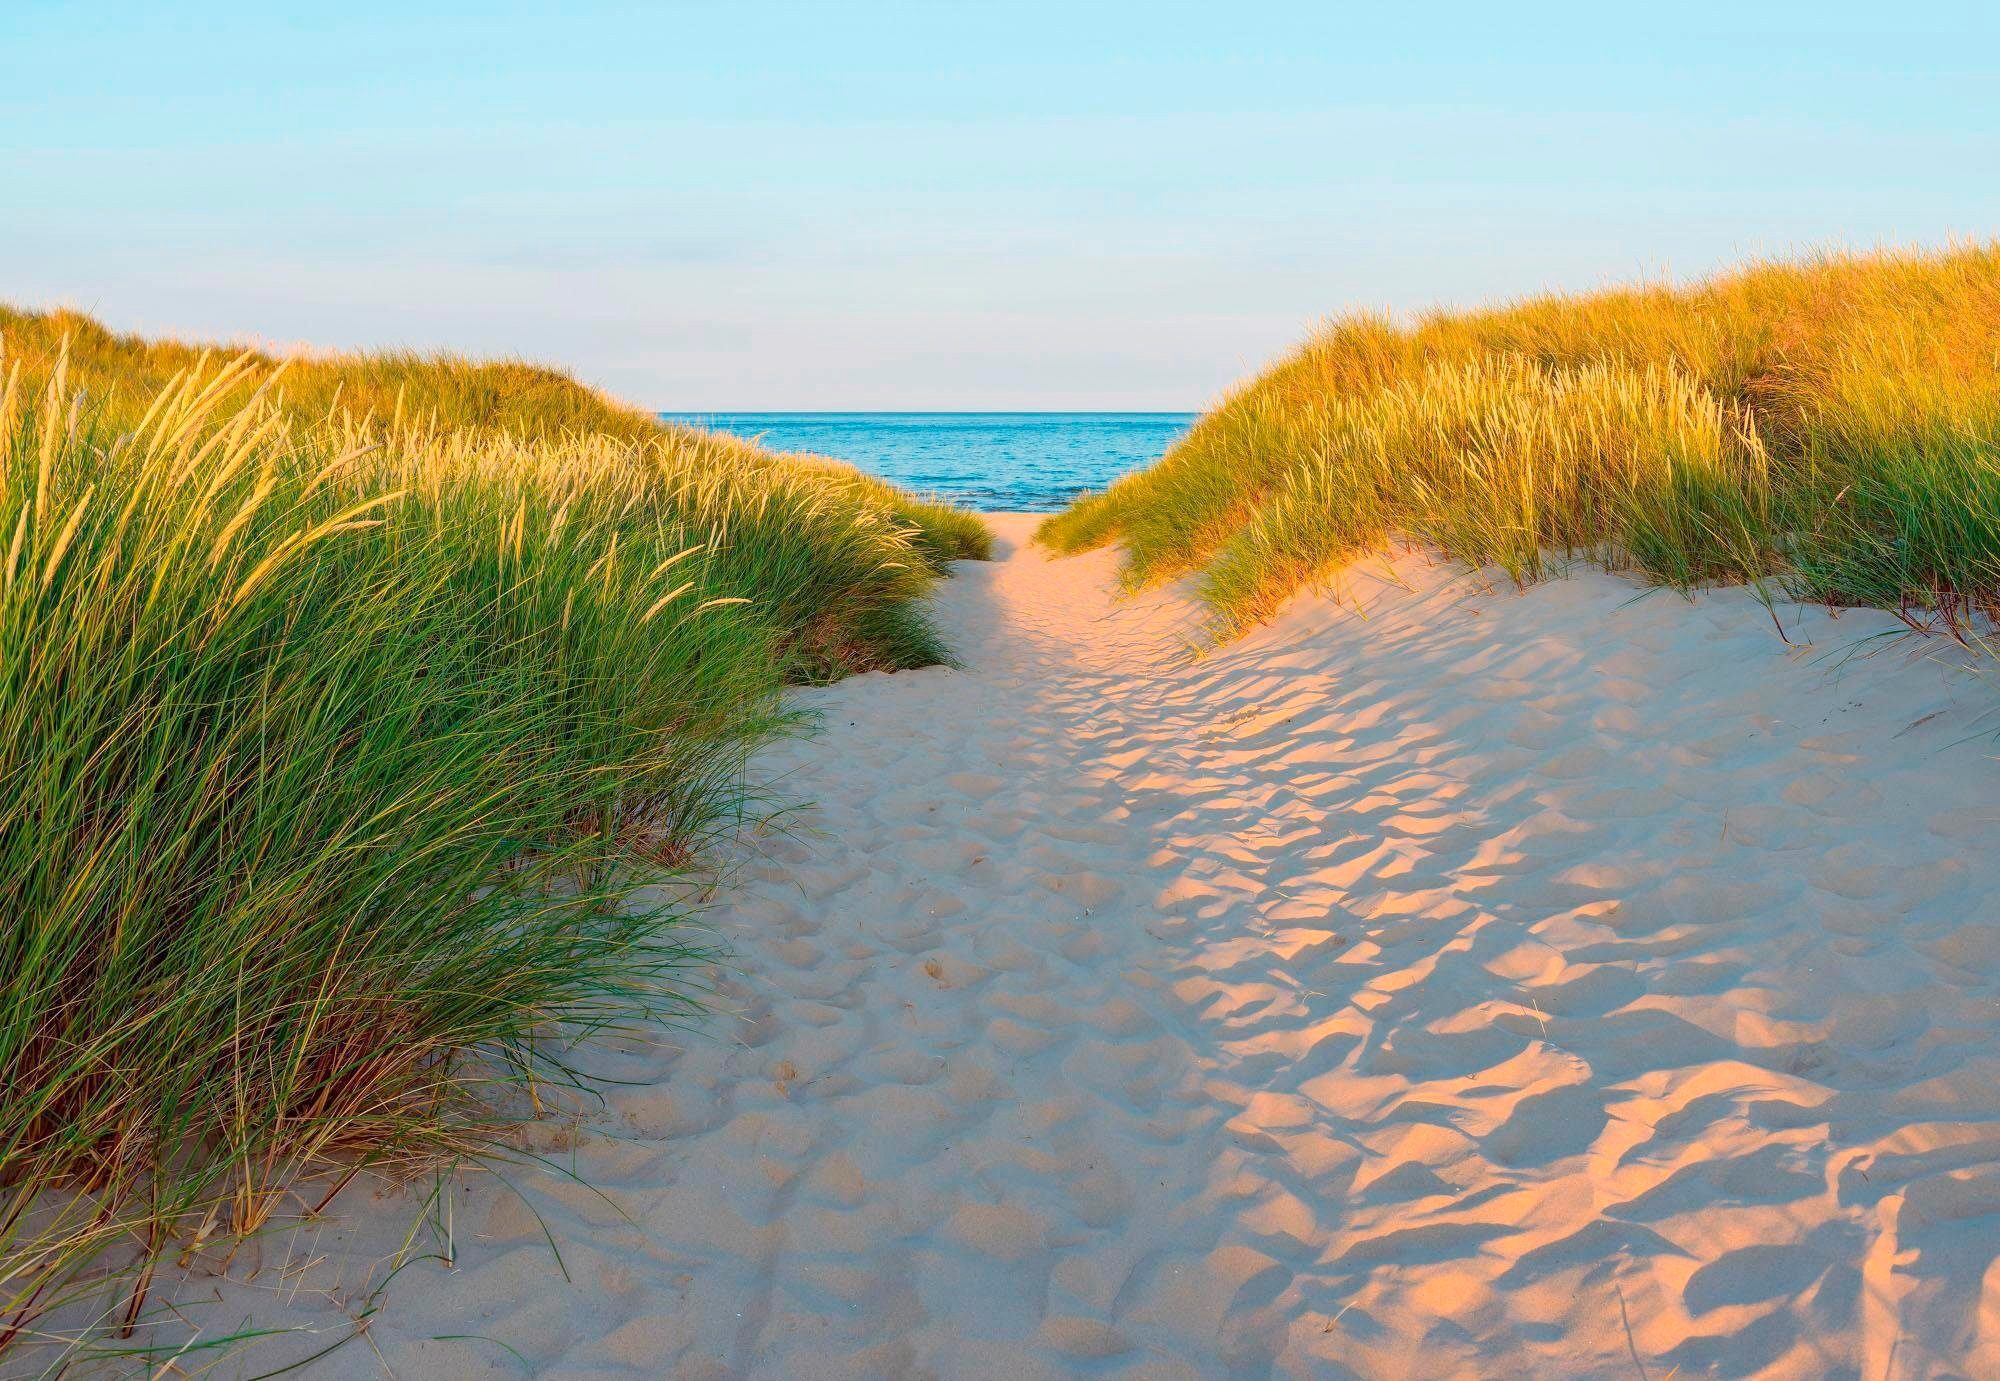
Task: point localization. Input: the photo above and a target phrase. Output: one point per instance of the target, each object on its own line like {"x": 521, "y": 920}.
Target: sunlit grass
{"x": 1833, "y": 423}
{"x": 333, "y": 746}
{"x": 394, "y": 387}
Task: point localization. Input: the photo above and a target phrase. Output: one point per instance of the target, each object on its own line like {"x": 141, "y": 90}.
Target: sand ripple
{"x": 1499, "y": 985}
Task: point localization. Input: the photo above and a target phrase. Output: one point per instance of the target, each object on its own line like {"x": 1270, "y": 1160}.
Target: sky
{"x": 762, "y": 206}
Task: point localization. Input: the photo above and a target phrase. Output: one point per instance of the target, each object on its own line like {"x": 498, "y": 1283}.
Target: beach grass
{"x": 1830, "y": 424}
{"x": 393, "y": 386}
{"x": 345, "y": 710}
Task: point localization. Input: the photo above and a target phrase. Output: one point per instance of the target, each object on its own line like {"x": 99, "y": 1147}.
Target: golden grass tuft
{"x": 1832, "y": 422}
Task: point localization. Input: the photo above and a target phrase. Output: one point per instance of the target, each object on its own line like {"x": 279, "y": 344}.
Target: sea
{"x": 995, "y": 462}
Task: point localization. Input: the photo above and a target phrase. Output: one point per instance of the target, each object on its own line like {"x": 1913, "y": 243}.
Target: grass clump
{"x": 1833, "y": 423}
{"x": 333, "y": 747}
{"x": 441, "y": 390}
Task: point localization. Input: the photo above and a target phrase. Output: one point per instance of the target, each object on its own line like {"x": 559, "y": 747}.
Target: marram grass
{"x": 1832, "y": 424}
{"x": 445, "y": 391}
{"x": 334, "y": 746}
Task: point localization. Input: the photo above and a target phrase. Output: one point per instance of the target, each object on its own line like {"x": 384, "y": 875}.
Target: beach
{"x": 957, "y": 693}
{"x": 1444, "y": 979}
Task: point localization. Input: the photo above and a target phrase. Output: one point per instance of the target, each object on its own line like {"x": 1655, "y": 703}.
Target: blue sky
{"x": 1026, "y": 205}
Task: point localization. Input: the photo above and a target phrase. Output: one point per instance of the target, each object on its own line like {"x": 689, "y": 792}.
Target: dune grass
{"x": 334, "y": 745}
{"x": 526, "y": 399}
{"x": 1831, "y": 423}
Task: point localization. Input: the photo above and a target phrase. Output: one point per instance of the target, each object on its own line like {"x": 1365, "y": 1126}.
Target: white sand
{"x": 1548, "y": 984}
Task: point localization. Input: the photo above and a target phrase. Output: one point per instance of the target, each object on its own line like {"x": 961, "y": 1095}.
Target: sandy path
{"x": 1501, "y": 985}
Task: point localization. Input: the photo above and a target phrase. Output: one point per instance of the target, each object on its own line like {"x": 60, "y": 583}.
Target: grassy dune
{"x": 343, "y": 708}
{"x": 1832, "y": 423}
{"x": 526, "y": 399}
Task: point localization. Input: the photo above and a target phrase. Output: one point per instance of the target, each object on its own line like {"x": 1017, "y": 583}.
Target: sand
{"x": 1559, "y": 983}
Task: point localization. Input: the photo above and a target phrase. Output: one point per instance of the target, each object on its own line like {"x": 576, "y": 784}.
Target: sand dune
{"x": 1566, "y": 983}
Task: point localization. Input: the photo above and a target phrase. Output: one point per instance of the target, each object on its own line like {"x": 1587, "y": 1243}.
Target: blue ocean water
{"x": 997, "y": 462}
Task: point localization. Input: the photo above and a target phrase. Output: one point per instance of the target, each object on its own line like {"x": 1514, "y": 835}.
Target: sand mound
{"x": 1555, "y": 984}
